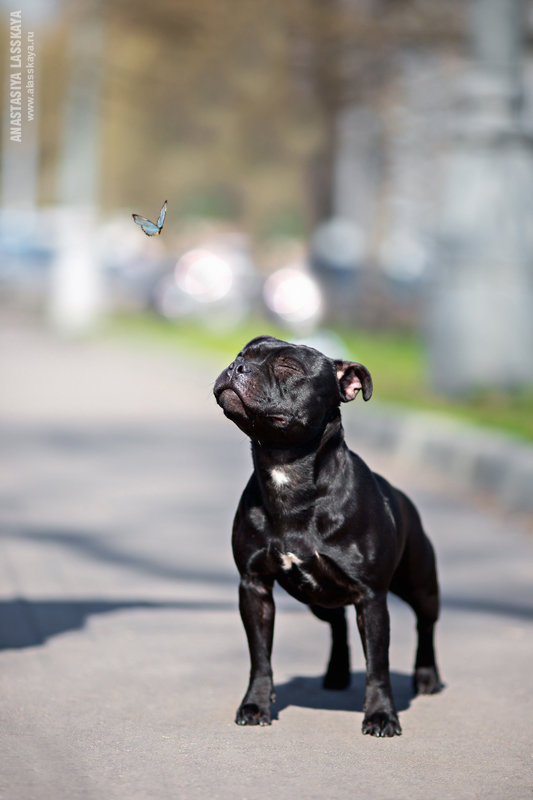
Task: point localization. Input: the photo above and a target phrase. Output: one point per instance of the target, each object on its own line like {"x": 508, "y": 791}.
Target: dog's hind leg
{"x": 425, "y": 603}
{"x": 415, "y": 581}
{"x": 338, "y": 672}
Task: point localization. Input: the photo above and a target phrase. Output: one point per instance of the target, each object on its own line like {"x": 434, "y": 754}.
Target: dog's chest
{"x": 296, "y": 553}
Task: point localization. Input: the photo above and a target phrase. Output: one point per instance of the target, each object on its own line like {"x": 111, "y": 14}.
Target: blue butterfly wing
{"x": 148, "y": 227}
{"x": 162, "y": 215}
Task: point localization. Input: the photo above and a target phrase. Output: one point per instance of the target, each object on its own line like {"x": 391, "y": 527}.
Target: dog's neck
{"x": 294, "y": 475}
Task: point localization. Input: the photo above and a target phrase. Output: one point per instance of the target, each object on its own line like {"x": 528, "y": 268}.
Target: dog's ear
{"x": 352, "y": 377}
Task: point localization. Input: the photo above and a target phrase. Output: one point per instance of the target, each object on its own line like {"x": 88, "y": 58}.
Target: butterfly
{"x": 150, "y": 228}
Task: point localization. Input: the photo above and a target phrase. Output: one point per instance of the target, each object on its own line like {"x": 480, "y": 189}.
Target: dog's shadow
{"x": 308, "y": 692}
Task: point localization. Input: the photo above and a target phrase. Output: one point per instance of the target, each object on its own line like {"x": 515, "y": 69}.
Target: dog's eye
{"x": 288, "y": 365}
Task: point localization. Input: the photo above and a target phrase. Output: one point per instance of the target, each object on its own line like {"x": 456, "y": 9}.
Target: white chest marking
{"x": 279, "y": 477}
{"x": 288, "y": 559}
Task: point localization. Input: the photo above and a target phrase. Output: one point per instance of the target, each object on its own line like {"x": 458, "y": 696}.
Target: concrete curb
{"x": 473, "y": 458}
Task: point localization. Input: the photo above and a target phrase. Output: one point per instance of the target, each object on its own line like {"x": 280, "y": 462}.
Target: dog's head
{"x": 284, "y": 394}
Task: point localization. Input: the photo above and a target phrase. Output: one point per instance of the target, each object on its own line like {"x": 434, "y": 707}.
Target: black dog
{"x": 317, "y": 520}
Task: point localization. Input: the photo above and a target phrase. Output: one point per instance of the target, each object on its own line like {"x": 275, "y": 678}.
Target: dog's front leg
{"x": 256, "y": 605}
{"x": 380, "y": 717}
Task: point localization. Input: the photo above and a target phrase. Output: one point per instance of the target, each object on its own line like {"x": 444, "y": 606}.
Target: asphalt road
{"x": 122, "y": 655}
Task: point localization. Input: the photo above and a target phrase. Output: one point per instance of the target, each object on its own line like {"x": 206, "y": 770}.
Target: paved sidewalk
{"x": 122, "y": 655}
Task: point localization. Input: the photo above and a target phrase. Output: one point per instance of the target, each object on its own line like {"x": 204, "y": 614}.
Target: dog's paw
{"x": 252, "y": 714}
{"x": 382, "y": 723}
{"x": 426, "y": 680}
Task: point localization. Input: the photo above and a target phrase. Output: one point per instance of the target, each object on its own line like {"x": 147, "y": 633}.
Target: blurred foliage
{"x": 230, "y": 108}
{"x": 396, "y": 361}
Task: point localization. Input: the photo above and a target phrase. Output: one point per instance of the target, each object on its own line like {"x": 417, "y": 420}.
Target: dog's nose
{"x": 238, "y": 366}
